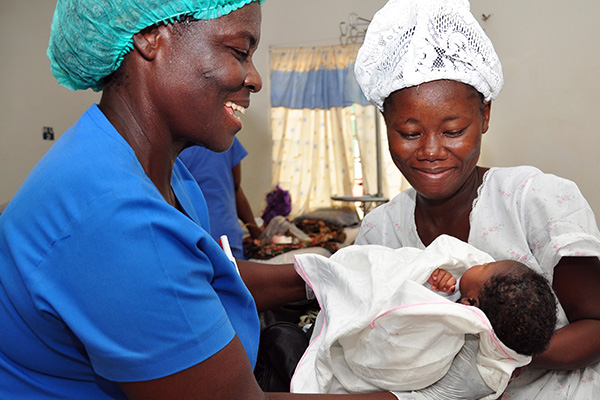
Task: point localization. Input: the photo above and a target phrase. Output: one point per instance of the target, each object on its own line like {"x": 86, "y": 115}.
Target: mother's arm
{"x": 577, "y": 286}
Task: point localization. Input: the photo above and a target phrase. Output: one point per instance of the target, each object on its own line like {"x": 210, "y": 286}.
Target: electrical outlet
{"x": 48, "y": 133}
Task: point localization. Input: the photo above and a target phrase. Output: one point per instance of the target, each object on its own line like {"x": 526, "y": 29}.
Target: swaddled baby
{"x": 380, "y": 328}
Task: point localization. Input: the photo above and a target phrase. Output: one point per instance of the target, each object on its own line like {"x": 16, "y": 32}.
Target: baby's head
{"x": 518, "y": 302}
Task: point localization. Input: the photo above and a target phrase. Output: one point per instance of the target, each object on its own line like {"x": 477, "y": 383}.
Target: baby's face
{"x": 475, "y": 277}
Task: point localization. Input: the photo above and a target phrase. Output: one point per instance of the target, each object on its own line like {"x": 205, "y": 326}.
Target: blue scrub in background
{"x": 213, "y": 173}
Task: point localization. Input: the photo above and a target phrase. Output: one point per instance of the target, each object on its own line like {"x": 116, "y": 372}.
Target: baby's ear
{"x": 469, "y": 301}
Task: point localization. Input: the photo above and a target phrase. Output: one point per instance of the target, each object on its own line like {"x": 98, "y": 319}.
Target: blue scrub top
{"x": 102, "y": 281}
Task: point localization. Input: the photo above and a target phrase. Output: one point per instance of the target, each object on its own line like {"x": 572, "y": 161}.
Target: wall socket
{"x": 48, "y": 133}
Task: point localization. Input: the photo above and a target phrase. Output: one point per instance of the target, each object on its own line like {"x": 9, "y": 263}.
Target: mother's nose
{"x": 432, "y": 148}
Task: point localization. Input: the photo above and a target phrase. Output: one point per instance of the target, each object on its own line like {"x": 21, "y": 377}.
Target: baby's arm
{"x": 442, "y": 281}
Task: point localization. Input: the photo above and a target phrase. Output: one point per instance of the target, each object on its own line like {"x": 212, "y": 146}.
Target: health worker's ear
{"x": 148, "y": 41}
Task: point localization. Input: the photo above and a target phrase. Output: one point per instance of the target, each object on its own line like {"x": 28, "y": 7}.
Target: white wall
{"x": 547, "y": 114}
{"x": 30, "y": 98}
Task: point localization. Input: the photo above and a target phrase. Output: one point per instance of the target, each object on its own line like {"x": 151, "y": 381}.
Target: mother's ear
{"x": 487, "y": 108}
{"x": 147, "y": 42}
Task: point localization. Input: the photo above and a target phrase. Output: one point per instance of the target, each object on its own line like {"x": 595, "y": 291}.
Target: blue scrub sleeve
{"x": 238, "y": 152}
{"x": 138, "y": 290}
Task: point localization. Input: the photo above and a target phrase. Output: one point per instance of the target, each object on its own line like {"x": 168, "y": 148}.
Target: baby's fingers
{"x": 446, "y": 283}
{"x": 433, "y": 279}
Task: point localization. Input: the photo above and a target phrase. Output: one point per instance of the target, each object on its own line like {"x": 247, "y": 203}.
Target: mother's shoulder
{"x": 516, "y": 175}
{"x": 525, "y": 177}
{"x": 519, "y": 170}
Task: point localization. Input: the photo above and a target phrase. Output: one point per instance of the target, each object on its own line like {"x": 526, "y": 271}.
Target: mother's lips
{"x": 436, "y": 173}
{"x": 433, "y": 171}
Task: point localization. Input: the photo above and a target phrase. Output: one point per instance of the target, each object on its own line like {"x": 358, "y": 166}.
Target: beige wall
{"x": 30, "y": 98}
{"x": 547, "y": 114}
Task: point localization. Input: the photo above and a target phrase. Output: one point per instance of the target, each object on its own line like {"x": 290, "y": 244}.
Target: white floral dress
{"x": 523, "y": 214}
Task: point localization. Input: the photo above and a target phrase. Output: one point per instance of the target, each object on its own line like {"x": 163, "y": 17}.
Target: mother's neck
{"x": 451, "y": 215}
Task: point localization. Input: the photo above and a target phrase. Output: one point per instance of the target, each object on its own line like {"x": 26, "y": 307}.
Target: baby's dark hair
{"x": 521, "y": 308}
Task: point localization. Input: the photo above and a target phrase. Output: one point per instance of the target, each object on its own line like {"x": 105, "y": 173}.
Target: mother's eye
{"x": 454, "y": 132}
{"x": 410, "y": 135}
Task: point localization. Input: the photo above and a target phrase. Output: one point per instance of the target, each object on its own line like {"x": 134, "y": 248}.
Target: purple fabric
{"x": 279, "y": 202}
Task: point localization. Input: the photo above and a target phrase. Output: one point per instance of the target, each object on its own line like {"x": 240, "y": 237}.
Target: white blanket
{"x": 381, "y": 329}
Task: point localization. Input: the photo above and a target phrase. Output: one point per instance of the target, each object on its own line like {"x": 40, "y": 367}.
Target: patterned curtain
{"x": 315, "y": 103}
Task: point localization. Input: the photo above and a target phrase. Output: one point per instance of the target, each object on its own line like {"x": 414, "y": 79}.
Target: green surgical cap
{"x": 89, "y": 38}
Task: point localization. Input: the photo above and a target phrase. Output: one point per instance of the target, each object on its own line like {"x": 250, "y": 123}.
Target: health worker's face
{"x": 206, "y": 77}
{"x": 434, "y": 134}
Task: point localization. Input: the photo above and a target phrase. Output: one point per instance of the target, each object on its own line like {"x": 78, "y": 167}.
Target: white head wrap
{"x": 410, "y": 42}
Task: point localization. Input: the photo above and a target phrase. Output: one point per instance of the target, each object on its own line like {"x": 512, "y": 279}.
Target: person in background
{"x": 219, "y": 176}
{"x": 430, "y": 68}
{"x": 110, "y": 285}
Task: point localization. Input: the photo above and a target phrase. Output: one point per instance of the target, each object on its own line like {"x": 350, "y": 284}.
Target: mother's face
{"x": 206, "y": 76}
{"x": 434, "y": 134}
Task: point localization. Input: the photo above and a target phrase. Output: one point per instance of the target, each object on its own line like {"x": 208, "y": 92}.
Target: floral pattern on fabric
{"x": 322, "y": 234}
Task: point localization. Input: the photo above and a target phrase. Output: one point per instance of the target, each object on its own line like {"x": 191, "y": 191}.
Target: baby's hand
{"x": 442, "y": 281}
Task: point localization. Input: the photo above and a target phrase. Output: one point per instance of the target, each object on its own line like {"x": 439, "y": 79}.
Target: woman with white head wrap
{"x": 431, "y": 69}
